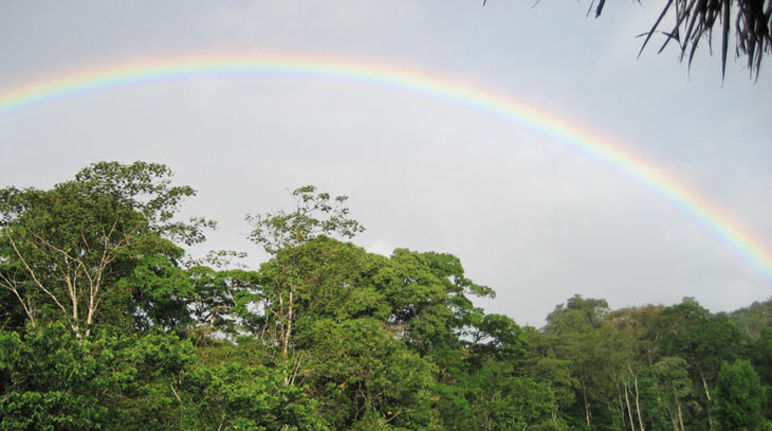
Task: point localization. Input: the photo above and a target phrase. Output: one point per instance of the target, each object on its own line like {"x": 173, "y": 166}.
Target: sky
{"x": 532, "y": 216}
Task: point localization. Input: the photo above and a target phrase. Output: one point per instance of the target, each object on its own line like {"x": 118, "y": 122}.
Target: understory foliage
{"x": 106, "y": 324}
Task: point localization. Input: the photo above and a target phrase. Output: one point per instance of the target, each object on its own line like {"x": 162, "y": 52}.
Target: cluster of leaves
{"x": 106, "y": 324}
{"x": 696, "y": 20}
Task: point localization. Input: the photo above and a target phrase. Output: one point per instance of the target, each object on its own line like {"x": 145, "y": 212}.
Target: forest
{"x": 107, "y": 323}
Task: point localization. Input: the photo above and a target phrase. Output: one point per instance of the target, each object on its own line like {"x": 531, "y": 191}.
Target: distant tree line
{"x": 106, "y": 323}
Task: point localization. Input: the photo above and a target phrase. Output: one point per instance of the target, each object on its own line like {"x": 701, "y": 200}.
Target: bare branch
{"x": 32, "y": 273}
{"x": 8, "y": 284}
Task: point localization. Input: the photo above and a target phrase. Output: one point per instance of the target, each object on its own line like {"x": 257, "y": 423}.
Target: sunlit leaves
{"x": 314, "y": 214}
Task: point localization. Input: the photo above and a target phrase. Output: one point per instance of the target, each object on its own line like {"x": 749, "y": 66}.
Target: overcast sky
{"x": 533, "y": 218}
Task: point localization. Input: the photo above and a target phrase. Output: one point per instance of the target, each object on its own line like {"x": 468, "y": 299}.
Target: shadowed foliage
{"x": 693, "y": 21}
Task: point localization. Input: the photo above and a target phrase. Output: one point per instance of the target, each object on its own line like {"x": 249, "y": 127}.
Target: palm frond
{"x": 696, "y": 20}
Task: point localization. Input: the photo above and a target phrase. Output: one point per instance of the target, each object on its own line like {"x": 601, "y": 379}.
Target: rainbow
{"x": 406, "y": 79}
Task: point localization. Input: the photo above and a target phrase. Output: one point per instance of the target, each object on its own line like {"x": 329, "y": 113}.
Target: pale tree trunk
{"x": 666, "y": 406}
{"x": 554, "y": 414}
{"x": 629, "y": 408}
{"x": 680, "y": 416}
{"x": 288, "y": 327}
{"x": 73, "y": 292}
{"x": 707, "y": 397}
{"x": 586, "y": 405}
{"x": 282, "y": 316}
{"x": 10, "y": 285}
{"x": 705, "y": 385}
{"x": 287, "y": 335}
{"x": 76, "y": 274}
{"x": 674, "y": 421}
{"x": 637, "y": 402}
{"x": 621, "y": 406}
{"x": 5, "y": 283}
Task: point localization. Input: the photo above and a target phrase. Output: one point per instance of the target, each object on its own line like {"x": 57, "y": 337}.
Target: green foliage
{"x": 158, "y": 290}
{"x": 236, "y": 396}
{"x": 111, "y": 381}
{"x": 752, "y": 320}
{"x": 578, "y": 312}
{"x": 287, "y": 229}
{"x": 429, "y": 298}
{"x": 222, "y": 301}
{"x": 361, "y": 372}
{"x": 491, "y": 397}
{"x": 738, "y": 398}
{"x": 106, "y": 324}
{"x": 331, "y": 280}
{"x": 574, "y": 334}
{"x": 63, "y": 251}
{"x": 704, "y": 341}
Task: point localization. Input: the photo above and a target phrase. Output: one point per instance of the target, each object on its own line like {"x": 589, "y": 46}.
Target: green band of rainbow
{"x": 712, "y": 217}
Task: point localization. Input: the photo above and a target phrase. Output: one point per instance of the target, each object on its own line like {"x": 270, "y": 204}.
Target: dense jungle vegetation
{"x": 107, "y": 324}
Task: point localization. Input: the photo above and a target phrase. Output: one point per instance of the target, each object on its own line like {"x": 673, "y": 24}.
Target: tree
{"x": 752, "y": 320}
{"x": 430, "y": 305}
{"x": 239, "y": 395}
{"x": 738, "y": 398}
{"x": 675, "y": 386}
{"x": 63, "y": 251}
{"x": 632, "y": 351}
{"x": 500, "y": 401}
{"x": 111, "y": 380}
{"x": 287, "y": 229}
{"x": 281, "y": 234}
{"x": 703, "y": 340}
{"x": 573, "y": 331}
{"x": 696, "y": 20}
{"x": 366, "y": 377}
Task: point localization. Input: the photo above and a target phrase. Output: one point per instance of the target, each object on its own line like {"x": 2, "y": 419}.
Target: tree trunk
{"x": 638, "y": 404}
{"x": 286, "y": 332}
{"x": 621, "y": 406}
{"x": 707, "y": 396}
{"x": 629, "y": 408}
{"x": 586, "y": 406}
{"x": 288, "y": 328}
{"x": 680, "y": 416}
{"x": 674, "y": 421}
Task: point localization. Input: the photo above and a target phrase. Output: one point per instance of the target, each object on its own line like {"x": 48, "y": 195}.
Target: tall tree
{"x": 367, "y": 378}
{"x": 738, "y": 398}
{"x": 574, "y": 334}
{"x": 675, "y": 386}
{"x": 282, "y": 234}
{"x": 704, "y": 341}
{"x": 62, "y": 251}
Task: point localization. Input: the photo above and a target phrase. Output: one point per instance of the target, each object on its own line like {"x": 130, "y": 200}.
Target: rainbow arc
{"x": 102, "y": 78}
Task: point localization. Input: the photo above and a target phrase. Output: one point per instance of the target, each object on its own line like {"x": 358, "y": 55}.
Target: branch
{"x": 32, "y": 273}
{"x": 8, "y": 284}
{"x": 176, "y": 395}
{"x": 66, "y": 255}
